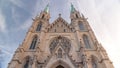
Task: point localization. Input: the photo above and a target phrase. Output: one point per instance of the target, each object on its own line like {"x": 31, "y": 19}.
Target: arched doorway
{"x": 59, "y": 66}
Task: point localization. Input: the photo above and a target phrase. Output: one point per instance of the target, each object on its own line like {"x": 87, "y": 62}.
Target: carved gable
{"x": 60, "y": 25}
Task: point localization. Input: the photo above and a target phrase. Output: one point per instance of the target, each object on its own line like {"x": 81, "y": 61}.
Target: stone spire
{"x": 72, "y": 8}
{"x": 47, "y": 8}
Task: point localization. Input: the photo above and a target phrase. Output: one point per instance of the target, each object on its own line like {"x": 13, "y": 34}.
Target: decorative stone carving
{"x": 64, "y": 42}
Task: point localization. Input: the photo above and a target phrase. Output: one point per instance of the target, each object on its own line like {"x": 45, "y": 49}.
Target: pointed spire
{"x": 59, "y": 15}
{"x": 72, "y": 8}
{"x": 47, "y": 8}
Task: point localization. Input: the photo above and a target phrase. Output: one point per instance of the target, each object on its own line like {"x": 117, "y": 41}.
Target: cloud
{"x": 111, "y": 18}
{"x": 17, "y": 3}
{"x": 104, "y": 17}
{"x": 6, "y": 51}
{"x": 40, "y": 5}
{"x": 4, "y": 57}
{"x": 15, "y": 15}
{"x": 26, "y": 24}
{"x": 2, "y": 23}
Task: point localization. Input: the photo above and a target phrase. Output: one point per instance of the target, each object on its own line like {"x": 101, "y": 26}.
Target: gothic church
{"x": 60, "y": 44}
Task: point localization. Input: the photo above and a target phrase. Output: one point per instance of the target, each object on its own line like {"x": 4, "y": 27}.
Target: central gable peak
{"x": 60, "y": 25}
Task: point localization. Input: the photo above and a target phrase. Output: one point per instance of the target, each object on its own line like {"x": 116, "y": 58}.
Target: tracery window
{"x": 86, "y": 41}
{"x": 39, "y": 27}
{"x": 81, "y": 26}
{"x": 33, "y": 44}
{"x": 60, "y": 41}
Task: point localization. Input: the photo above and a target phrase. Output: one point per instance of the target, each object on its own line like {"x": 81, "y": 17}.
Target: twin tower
{"x": 60, "y": 44}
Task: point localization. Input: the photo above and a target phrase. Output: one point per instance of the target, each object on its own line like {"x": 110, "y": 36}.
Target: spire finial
{"x": 47, "y": 8}
{"x": 59, "y": 15}
{"x": 72, "y": 8}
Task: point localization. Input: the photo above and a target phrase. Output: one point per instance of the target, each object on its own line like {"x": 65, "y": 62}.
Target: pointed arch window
{"x": 33, "y": 44}
{"x": 43, "y": 16}
{"x": 26, "y": 64}
{"x": 64, "y": 30}
{"x": 39, "y": 27}
{"x": 55, "y": 30}
{"x": 94, "y": 65}
{"x": 94, "y": 62}
{"x": 86, "y": 41}
{"x": 60, "y": 53}
{"x": 39, "y": 64}
{"x": 76, "y": 16}
{"x": 81, "y": 26}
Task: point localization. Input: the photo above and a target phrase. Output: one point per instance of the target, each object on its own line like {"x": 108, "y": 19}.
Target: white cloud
{"x": 4, "y": 50}
{"x": 15, "y": 15}
{"x": 2, "y": 23}
{"x": 18, "y": 3}
{"x": 26, "y": 24}
{"x": 110, "y": 17}
{"x": 104, "y": 18}
{"x": 40, "y": 5}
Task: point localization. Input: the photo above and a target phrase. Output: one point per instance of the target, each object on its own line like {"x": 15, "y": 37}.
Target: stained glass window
{"x": 33, "y": 44}
{"x": 81, "y": 26}
{"x": 63, "y": 42}
{"x": 26, "y": 64}
{"x": 86, "y": 41}
{"x": 39, "y": 27}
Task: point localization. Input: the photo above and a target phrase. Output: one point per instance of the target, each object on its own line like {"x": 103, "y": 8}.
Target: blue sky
{"x": 16, "y": 17}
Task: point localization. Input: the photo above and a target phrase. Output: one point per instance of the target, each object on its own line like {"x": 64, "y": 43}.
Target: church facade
{"x": 60, "y": 44}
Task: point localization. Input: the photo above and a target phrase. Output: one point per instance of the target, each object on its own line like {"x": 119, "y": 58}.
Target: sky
{"x": 16, "y": 18}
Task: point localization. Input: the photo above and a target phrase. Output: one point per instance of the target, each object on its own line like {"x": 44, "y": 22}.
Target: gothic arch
{"x": 60, "y": 41}
{"x": 43, "y": 16}
{"x": 35, "y": 35}
{"x": 86, "y": 41}
{"x": 94, "y": 61}
{"x": 33, "y": 42}
{"x": 59, "y": 66}
{"x": 81, "y": 25}
{"x": 60, "y": 63}
{"x": 26, "y": 62}
{"x": 39, "y": 26}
